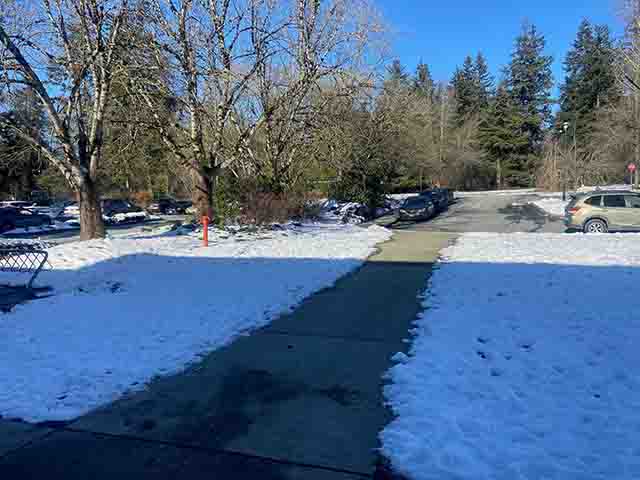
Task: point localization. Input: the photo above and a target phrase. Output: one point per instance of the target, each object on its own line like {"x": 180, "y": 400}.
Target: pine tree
{"x": 590, "y": 81}
{"x": 19, "y": 161}
{"x": 472, "y": 84}
{"x": 397, "y": 75}
{"x": 484, "y": 81}
{"x": 466, "y": 90}
{"x": 423, "y": 82}
{"x": 529, "y": 80}
{"x": 503, "y": 138}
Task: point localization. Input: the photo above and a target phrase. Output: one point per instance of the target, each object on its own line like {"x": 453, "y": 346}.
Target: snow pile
{"x": 523, "y": 364}
{"x": 552, "y": 205}
{"x": 586, "y": 189}
{"x": 353, "y": 212}
{"x": 127, "y": 309}
{"x": 127, "y": 217}
{"x": 401, "y": 197}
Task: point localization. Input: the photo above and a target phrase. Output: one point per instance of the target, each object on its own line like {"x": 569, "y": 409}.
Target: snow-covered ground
{"x": 552, "y": 205}
{"x": 584, "y": 189}
{"x": 127, "y": 217}
{"x": 127, "y": 309}
{"x": 523, "y": 364}
{"x": 520, "y": 191}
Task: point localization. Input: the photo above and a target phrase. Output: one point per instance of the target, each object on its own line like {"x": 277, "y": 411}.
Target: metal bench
{"x": 23, "y": 257}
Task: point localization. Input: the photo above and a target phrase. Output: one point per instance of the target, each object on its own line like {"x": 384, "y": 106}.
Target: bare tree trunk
{"x": 91, "y": 224}
{"x": 202, "y": 196}
{"x": 498, "y": 173}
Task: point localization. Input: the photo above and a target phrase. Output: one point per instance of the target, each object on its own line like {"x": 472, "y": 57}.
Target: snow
{"x": 522, "y": 363}
{"x": 400, "y": 197}
{"x": 348, "y": 212}
{"x": 127, "y": 217}
{"x": 551, "y": 205}
{"x": 585, "y": 189}
{"x": 512, "y": 192}
{"x": 127, "y": 309}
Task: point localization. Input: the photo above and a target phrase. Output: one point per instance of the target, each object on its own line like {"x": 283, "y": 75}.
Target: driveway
{"x": 495, "y": 213}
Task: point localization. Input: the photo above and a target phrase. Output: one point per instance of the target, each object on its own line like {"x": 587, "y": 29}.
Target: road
{"x": 496, "y": 213}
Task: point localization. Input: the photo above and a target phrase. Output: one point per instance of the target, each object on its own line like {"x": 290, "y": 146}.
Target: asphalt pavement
{"x": 495, "y": 213}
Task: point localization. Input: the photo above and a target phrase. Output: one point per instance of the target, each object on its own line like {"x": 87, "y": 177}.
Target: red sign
{"x": 631, "y": 167}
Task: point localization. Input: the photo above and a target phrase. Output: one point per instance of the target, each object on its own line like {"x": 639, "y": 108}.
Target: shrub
{"x": 261, "y": 208}
{"x": 142, "y": 198}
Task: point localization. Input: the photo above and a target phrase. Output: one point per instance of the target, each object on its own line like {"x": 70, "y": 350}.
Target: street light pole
{"x": 563, "y": 179}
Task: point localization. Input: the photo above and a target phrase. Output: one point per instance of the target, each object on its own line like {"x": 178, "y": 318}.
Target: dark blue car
{"x": 12, "y": 218}
{"x": 438, "y": 197}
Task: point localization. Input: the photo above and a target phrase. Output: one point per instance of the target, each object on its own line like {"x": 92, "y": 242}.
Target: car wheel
{"x": 595, "y": 226}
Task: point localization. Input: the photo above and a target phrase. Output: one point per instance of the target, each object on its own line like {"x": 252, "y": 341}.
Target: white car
{"x": 72, "y": 210}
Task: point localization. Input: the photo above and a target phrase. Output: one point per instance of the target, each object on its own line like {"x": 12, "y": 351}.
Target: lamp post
{"x": 563, "y": 177}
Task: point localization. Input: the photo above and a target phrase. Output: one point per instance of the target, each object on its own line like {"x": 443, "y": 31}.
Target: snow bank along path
{"x": 524, "y": 365}
{"x": 125, "y": 310}
{"x": 553, "y": 206}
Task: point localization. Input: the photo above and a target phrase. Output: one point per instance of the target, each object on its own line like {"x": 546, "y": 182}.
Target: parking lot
{"x": 73, "y": 235}
{"x": 495, "y": 213}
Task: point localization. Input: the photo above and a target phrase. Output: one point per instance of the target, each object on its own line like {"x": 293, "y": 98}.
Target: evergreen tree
{"x": 529, "y": 80}
{"x": 397, "y": 75}
{"x": 472, "y": 84}
{"x": 590, "y": 81}
{"x": 423, "y": 82}
{"x": 466, "y": 90}
{"x": 504, "y": 139}
{"x": 20, "y": 163}
{"x": 484, "y": 81}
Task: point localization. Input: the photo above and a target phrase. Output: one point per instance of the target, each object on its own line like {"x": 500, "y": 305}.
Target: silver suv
{"x": 604, "y": 211}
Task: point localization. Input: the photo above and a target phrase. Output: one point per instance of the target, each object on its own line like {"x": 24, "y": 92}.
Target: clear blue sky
{"x": 443, "y": 32}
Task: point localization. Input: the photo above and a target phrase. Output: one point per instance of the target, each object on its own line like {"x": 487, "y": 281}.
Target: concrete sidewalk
{"x": 299, "y": 399}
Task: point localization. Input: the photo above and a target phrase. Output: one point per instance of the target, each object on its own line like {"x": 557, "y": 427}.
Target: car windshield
{"x": 416, "y": 202}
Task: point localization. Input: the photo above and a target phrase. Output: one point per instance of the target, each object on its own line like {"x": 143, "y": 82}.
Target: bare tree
{"x": 64, "y": 50}
{"x": 328, "y": 51}
{"x": 205, "y": 54}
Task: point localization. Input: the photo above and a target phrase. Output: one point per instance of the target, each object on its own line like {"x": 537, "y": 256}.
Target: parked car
{"x": 17, "y": 204}
{"x": 121, "y": 211}
{"x": 440, "y": 201}
{"x": 70, "y": 209}
{"x": 12, "y": 218}
{"x": 604, "y": 211}
{"x": 169, "y": 206}
{"x": 417, "y": 208}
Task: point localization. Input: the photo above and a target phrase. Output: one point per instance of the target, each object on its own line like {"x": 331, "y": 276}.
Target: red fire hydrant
{"x": 205, "y": 231}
